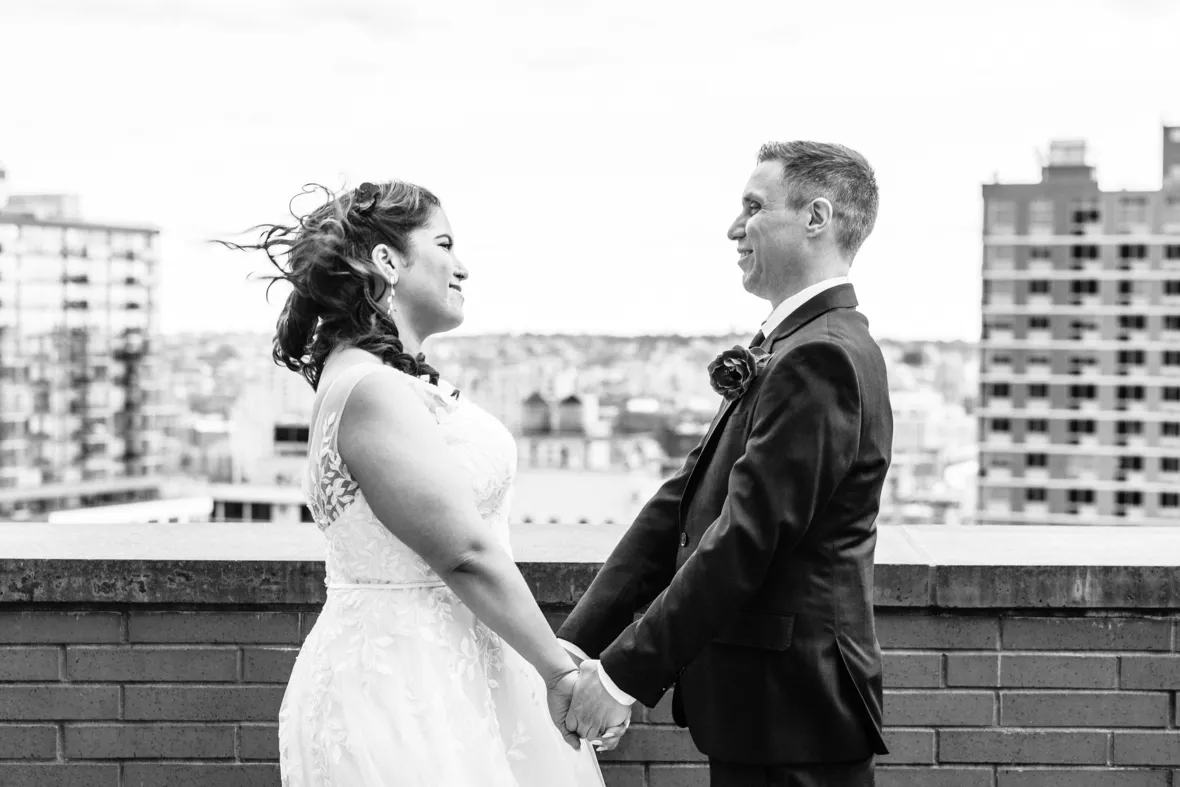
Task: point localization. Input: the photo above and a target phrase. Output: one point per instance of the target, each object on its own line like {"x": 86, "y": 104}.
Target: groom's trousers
{"x": 836, "y": 774}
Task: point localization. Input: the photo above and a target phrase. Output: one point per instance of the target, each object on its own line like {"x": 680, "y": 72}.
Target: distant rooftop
{"x": 1067, "y": 153}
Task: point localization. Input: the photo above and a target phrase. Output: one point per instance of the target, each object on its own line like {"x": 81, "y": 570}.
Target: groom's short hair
{"x": 843, "y": 176}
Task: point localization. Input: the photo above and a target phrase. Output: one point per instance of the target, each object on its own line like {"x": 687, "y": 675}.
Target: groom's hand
{"x": 558, "y": 699}
{"x": 594, "y": 711}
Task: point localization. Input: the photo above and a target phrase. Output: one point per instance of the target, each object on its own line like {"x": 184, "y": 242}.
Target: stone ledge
{"x": 953, "y": 568}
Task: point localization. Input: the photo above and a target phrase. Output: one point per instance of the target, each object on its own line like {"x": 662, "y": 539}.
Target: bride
{"x": 431, "y": 663}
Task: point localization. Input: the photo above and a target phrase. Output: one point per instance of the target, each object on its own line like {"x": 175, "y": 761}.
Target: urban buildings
{"x": 79, "y": 405}
{"x": 1080, "y": 371}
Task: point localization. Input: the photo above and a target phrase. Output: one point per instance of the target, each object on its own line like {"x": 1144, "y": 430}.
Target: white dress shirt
{"x": 790, "y": 305}
{"x": 784, "y": 310}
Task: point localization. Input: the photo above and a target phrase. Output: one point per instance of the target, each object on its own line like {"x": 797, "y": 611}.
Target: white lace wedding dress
{"x": 398, "y": 683}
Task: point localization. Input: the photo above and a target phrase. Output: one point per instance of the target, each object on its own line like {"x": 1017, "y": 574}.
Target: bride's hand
{"x": 558, "y": 697}
{"x": 609, "y": 740}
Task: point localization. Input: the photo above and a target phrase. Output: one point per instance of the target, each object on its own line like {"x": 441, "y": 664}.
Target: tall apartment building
{"x": 1080, "y": 370}
{"x": 78, "y": 399}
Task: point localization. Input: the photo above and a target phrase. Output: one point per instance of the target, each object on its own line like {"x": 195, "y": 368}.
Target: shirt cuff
{"x": 573, "y": 650}
{"x": 619, "y": 696}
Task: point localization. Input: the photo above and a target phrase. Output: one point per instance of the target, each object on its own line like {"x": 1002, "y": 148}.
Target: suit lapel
{"x": 840, "y": 297}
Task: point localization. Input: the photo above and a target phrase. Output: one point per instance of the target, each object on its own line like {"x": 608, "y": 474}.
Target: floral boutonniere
{"x": 732, "y": 371}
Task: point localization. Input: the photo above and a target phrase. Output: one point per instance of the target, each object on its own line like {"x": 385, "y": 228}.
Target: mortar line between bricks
{"x": 240, "y": 660}
{"x": 61, "y": 663}
{"x": 125, "y": 627}
{"x": 237, "y": 743}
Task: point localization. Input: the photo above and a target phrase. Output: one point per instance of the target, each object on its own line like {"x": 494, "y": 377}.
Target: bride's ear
{"x": 386, "y": 261}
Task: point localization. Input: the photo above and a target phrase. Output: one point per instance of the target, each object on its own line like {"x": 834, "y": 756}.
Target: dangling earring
{"x": 389, "y": 295}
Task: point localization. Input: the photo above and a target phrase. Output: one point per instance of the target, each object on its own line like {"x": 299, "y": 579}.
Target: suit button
{"x": 684, "y": 539}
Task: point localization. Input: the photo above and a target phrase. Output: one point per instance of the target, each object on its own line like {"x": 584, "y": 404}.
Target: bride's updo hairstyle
{"x": 337, "y": 289}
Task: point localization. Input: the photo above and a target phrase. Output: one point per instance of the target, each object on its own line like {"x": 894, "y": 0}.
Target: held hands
{"x": 580, "y": 708}
{"x": 593, "y": 713}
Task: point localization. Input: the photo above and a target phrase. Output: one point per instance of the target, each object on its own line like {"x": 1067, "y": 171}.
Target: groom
{"x": 757, "y": 556}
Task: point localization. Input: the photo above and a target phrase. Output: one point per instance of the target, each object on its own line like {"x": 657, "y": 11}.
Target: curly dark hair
{"x": 335, "y": 284}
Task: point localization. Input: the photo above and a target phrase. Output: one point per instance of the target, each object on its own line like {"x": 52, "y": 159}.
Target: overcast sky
{"x": 590, "y": 155}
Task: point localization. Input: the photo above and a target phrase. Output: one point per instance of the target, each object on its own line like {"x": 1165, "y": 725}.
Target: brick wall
{"x": 134, "y": 695}
{"x": 993, "y": 699}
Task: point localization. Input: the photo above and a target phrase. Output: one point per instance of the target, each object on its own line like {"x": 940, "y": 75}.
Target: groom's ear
{"x": 819, "y": 215}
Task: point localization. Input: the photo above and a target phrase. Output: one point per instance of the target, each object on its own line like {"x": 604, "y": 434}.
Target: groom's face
{"x": 770, "y": 236}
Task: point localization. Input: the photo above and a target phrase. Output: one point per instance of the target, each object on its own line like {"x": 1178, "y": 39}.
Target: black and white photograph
{"x": 618, "y": 394}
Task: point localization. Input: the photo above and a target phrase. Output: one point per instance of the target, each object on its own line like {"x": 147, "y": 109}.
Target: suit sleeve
{"x": 803, "y": 439}
{"x": 640, "y": 566}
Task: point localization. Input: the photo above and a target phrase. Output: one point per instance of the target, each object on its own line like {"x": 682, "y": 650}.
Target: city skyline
{"x": 564, "y": 142}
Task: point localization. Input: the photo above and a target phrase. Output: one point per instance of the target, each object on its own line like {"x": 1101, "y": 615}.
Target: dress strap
{"x": 336, "y": 396}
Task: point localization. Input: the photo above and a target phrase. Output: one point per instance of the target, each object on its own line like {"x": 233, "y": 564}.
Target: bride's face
{"x": 429, "y": 291}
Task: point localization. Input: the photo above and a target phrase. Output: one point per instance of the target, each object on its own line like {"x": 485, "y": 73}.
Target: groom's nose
{"x": 737, "y": 230}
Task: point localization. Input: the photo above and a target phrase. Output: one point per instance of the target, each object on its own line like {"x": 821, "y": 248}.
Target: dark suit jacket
{"x": 757, "y": 559}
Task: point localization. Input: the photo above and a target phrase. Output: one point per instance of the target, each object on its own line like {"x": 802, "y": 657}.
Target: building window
{"x": 1077, "y": 427}
{"x": 1040, "y": 217}
{"x": 1170, "y": 464}
{"x": 1040, "y": 253}
{"x": 1083, "y": 252}
{"x": 990, "y": 327}
{"x": 1133, "y": 322}
{"x": 1171, "y": 357}
{"x": 1172, "y": 323}
{"x": 1038, "y": 287}
{"x": 1083, "y": 391}
{"x": 1172, "y": 252}
{"x": 1081, "y": 496}
{"x": 1001, "y": 217}
{"x": 1036, "y": 460}
{"x": 233, "y": 511}
{"x": 1171, "y": 393}
{"x": 1001, "y": 425}
{"x": 1038, "y": 360}
{"x": 1169, "y": 500}
{"x": 1038, "y": 391}
{"x": 1134, "y": 393}
{"x": 1135, "y": 251}
{"x": 1172, "y": 287}
{"x": 1038, "y": 426}
{"x": 1034, "y": 495}
{"x": 1038, "y": 323}
{"x": 291, "y": 434}
{"x": 1084, "y": 287}
{"x": 1131, "y": 463}
{"x": 1170, "y": 429}
{"x": 1084, "y": 210}
{"x": 1001, "y": 390}
{"x": 1128, "y": 498}
{"x": 1132, "y": 212}
{"x": 1129, "y": 427}
{"x": 1132, "y": 357}
{"x": 1000, "y": 257}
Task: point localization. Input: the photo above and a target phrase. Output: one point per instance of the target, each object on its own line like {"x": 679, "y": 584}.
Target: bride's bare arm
{"x": 392, "y": 448}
